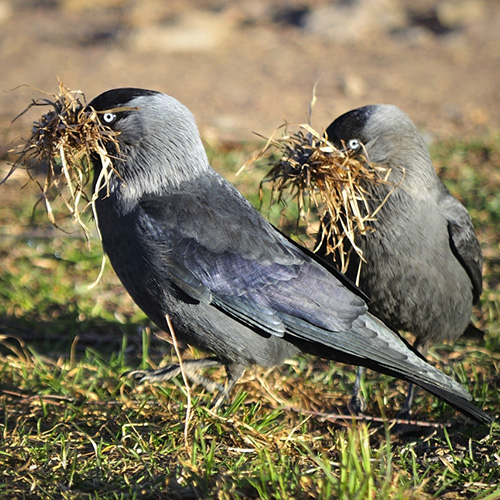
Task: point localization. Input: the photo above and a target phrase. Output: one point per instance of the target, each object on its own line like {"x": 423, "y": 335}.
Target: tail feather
{"x": 373, "y": 344}
{"x": 415, "y": 369}
{"x": 465, "y": 406}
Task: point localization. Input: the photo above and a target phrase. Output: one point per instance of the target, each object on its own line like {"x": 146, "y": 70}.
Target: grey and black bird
{"x": 422, "y": 268}
{"x": 187, "y": 246}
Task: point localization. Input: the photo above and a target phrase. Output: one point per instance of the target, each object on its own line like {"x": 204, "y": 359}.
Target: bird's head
{"x": 159, "y": 142}
{"x": 386, "y": 136}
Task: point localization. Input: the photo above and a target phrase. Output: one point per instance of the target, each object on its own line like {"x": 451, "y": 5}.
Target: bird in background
{"x": 422, "y": 268}
{"x": 190, "y": 249}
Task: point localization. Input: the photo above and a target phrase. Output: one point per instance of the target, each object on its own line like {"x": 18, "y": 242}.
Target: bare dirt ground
{"x": 244, "y": 66}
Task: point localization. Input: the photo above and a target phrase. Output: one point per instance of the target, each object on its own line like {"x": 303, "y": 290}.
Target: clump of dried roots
{"x": 61, "y": 144}
{"x": 329, "y": 186}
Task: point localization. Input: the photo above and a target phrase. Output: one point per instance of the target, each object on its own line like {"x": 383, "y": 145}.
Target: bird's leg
{"x": 405, "y": 411}
{"x": 357, "y": 403}
{"x": 190, "y": 367}
{"x": 234, "y": 372}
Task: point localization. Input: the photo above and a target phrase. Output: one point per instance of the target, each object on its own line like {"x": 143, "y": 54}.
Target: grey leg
{"x": 357, "y": 403}
{"x": 405, "y": 411}
{"x": 234, "y": 373}
{"x": 191, "y": 368}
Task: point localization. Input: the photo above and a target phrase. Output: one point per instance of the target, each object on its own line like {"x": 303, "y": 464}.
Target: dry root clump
{"x": 329, "y": 186}
{"x": 60, "y": 147}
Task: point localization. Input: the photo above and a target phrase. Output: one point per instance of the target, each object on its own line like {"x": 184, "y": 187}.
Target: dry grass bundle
{"x": 61, "y": 144}
{"x": 329, "y": 186}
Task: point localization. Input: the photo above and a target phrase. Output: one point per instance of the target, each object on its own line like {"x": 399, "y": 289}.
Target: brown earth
{"x": 247, "y": 65}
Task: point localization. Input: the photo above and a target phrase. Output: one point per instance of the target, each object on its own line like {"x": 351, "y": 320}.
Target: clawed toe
{"x": 357, "y": 404}
{"x": 190, "y": 369}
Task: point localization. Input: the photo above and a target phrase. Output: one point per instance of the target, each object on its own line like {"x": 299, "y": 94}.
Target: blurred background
{"x": 243, "y": 66}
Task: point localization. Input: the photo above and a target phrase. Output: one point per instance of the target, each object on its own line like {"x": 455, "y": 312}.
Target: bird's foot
{"x": 404, "y": 414}
{"x": 234, "y": 373}
{"x": 190, "y": 369}
{"x": 357, "y": 404}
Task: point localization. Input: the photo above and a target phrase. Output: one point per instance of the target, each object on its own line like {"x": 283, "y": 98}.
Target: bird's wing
{"x": 463, "y": 242}
{"x": 228, "y": 255}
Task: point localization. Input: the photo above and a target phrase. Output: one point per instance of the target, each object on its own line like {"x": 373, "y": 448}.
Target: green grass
{"x": 71, "y": 427}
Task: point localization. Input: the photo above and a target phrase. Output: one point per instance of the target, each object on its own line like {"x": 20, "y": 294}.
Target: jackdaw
{"x": 187, "y": 246}
{"x": 423, "y": 263}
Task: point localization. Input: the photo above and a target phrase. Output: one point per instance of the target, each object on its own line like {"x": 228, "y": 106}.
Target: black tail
{"x": 459, "y": 403}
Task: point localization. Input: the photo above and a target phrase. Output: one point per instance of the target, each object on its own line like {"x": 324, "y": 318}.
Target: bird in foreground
{"x": 190, "y": 249}
{"x": 422, "y": 268}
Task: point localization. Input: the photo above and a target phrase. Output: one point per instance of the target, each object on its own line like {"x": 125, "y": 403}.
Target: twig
{"x": 339, "y": 417}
